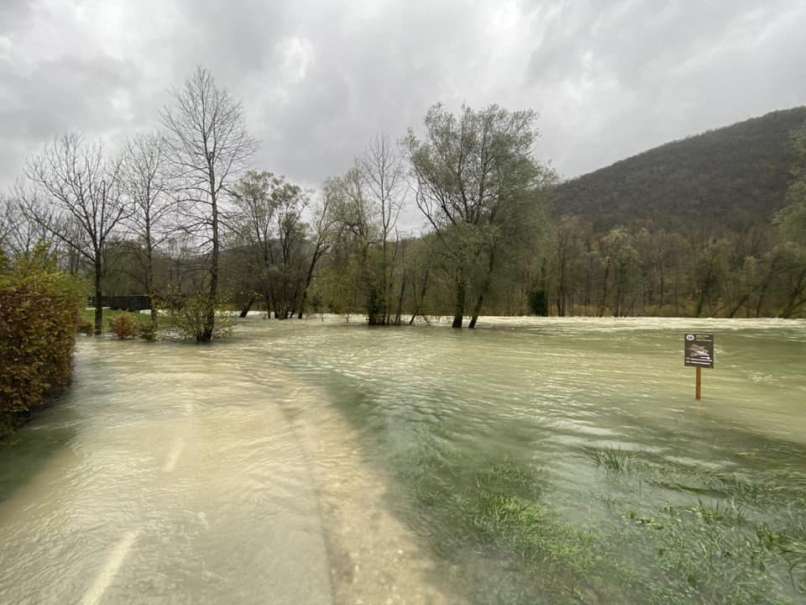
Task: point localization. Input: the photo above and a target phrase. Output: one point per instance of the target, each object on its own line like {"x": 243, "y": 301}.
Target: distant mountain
{"x": 731, "y": 177}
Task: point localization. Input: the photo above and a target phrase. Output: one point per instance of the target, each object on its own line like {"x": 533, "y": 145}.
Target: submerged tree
{"x": 78, "y": 200}
{"x": 475, "y": 175}
{"x": 144, "y": 181}
{"x": 269, "y": 220}
{"x": 382, "y": 175}
{"x": 207, "y": 145}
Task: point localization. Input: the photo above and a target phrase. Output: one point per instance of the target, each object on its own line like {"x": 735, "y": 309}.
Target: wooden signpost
{"x": 698, "y": 352}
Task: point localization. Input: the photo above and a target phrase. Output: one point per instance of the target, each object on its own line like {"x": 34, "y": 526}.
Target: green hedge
{"x": 38, "y": 317}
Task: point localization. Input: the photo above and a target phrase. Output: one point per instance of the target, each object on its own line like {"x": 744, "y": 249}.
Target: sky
{"x": 318, "y": 79}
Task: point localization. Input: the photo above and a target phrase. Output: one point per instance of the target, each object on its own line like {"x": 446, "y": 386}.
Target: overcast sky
{"x": 318, "y": 78}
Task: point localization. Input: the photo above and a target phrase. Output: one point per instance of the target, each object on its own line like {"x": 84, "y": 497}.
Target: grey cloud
{"x": 318, "y": 79}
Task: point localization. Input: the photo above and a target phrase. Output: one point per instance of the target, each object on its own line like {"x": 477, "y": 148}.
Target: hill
{"x": 732, "y": 177}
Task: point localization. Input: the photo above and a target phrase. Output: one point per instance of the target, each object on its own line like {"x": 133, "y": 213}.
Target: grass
{"x": 698, "y": 537}
{"x": 612, "y": 459}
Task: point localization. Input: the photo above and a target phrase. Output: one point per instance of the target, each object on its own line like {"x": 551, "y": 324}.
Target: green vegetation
{"x": 188, "y": 320}
{"x": 495, "y": 518}
{"x": 38, "y": 317}
{"x": 707, "y": 226}
{"x": 729, "y": 178}
{"x": 124, "y": 326}
{"x": 712, "y": 225}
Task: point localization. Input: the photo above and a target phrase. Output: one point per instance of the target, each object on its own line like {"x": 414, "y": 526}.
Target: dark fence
{"x": 123, "y": 303}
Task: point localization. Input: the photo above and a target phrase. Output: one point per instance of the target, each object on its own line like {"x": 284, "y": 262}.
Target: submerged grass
{"x": 612, "y": 459}
{"x": 493, "y": 519}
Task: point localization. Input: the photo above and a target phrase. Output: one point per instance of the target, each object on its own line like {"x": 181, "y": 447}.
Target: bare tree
{"x": 20, "y": 236}
{"x": 78, "y": 201}
{"x": 382, "y": 174}
{"x": 207, "y": 147}
{"x": 144, "y": 181}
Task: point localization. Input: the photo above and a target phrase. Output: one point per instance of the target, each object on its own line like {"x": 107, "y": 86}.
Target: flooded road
{"x": 529, "y": 461}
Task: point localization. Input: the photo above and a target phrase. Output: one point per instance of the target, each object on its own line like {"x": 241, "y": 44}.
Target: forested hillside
{"x": 731, "y": 177}
{"x": 710, "y": 225}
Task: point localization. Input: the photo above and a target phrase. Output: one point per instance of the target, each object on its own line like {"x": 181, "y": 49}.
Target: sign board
{"x": 698, "y": 350}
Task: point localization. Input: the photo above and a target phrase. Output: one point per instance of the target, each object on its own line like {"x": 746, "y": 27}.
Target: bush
{"x": 39, "y": 309}
{"x": 124, "y": 326}
{"x": 186, "y": 319}
{"x": 147, "y": 329}
{"x": 85, "y": 327}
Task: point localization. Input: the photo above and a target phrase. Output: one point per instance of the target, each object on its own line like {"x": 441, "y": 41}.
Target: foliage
{"x": 147, "y": 329}
{"x": 188, "y": 320}
{"x": 124, "y": 326}
{"x": 477, "y": 183}
{"x": 731, "y": 177}
{"x": 38, "y": 318}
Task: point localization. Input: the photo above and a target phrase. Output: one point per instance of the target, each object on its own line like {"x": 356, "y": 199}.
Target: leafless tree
{"x": 145, "y": 183}
{"x": 383, "y": 175}
{"x": 207, "y": 146}
{"x": 77, "y": 199}
{"x": 20, "y": 236}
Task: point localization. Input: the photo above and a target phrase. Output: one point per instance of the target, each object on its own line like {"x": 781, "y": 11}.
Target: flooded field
{"x": 529, "y": 461}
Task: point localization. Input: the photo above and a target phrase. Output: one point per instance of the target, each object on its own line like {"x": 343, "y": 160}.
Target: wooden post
{"x": 699, "y": 384}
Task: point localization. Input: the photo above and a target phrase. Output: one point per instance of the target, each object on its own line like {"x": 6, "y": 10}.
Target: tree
{"x": 357, "y": 233}
{"x": 791, "y": 225}
{"x": 19, "y": 236}
{"x": 382, "y": 175}
{"x": 287, "y": 272}
{"x": 78, "y": 200}
{"x": 269, "y": 219}
{"x": 470, "y": 170}
{"x": 144, "y": 181}
{"x": 322, "y": 236}
{"x": 207, "y": 146}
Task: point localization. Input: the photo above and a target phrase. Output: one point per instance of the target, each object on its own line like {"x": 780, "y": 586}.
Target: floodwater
{"x": 529, "y": 461}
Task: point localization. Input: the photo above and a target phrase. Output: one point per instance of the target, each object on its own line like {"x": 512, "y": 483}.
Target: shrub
{"x": 124, "y": 326}
{"x": 39, "y": 309}
{"x": 85, "y": 327}
{"x": 186, "y": 319}
{"x": 147, "y": 329}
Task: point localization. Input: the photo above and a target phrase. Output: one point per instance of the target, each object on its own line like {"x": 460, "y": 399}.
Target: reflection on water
{"x": 528, "y": 461}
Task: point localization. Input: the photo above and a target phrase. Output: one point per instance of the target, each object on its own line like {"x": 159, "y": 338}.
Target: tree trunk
{"x": 738, "y": 305}
{"x": 206, "y": 334}
{"x": 603, "y": 302}
{"x": 797, "y": 296}
{"x": 309, "y": 278}
{"x": 766, "y": 285}
{"x": 459, "y": 310}
{"x": 419, "y": 303}
{"x": 400, "y": 299}
{"x": 149, "y": 277}
{"x": 246, "y": 307}
{"x": 99, "y": 301}
{"x": 484, "y": 289}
